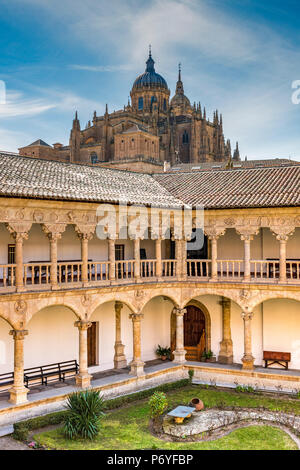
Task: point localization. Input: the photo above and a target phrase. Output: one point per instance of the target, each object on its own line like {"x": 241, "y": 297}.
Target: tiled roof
{"x": 220, "y": 189}
{"x": 214, "y": 189}
{"x": 32, "y": 178}
{"x": 39, "y": 143}
{"x": 270, "y": 162}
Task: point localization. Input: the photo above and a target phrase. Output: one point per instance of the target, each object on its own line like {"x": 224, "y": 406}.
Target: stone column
{"x": 18, "y": 392}
{"x": 119, "y": 358}
{"x": 158, "y": 257}
{"x": 137, "y": 260}
{"x": 248, "y": 359}
{"x": 282, "y": 234}
{"x": 179, "y": 353}
{"x": 83, "y": 379}
{"x": 137, "y": 365}
{"x": 54, "y": 233}
{"x": 226, "y": 347}
{"x": 247, "y": 256}
{"x": 213, "y": 234}
{"x": 112, "y": 259}
{"x": 180, "y": 255}
{"x": 19, "y": 232}
{"x": 85, "y": 233}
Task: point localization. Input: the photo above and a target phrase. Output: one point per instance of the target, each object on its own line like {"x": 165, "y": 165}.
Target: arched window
{"x": 185, "y": 138}
{"x": 165, "y": 104}
{"x": 141, "y": 103}
{"x": 153, "y": 100}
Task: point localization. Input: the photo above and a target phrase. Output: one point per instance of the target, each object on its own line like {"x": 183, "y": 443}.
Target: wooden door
{"x": 194, "y": 333}
{"x": 92, "y": 345}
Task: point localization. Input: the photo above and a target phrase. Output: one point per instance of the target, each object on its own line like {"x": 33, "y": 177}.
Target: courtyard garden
{"x": 128, "y": 424}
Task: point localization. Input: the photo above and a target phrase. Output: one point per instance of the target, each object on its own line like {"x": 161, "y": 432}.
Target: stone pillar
{"x": 226, "y": 347}
{"x": 83, "y": 379}
{"x": 247, "y": 256}
{"x": 282, "y": 257}
{"x": 180, "y": 255}
{"x": 248, "y": 359}
{"x": 137, "y": 365}
{"x": 54, "y": 233}
{"x": 213, "y": 234}
{"x": 158, "y": 257}
{"x": 18, "y": 392}
{"x": 112, "y": 259}
{"x": 214, "y": 258}
{"x": 19, "y": 232}
{"x": 179, "y": 353}
{"x": 137, "y": 260}
{"x": 119, "y": 358}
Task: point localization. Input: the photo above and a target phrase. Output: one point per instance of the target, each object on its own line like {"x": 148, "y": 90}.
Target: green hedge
{"x": 22, "y": 429}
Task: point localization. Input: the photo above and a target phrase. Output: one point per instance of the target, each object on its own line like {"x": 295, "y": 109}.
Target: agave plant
{"x": 84, "y": 411}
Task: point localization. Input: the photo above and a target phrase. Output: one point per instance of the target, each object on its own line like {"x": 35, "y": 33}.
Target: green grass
{"x": 128, "y": 427}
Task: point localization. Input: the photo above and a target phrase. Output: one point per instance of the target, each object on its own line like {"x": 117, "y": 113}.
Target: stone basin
{"x": 213, "y": 419}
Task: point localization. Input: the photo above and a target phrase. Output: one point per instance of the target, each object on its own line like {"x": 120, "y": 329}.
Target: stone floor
{"x": 8, "y": 443}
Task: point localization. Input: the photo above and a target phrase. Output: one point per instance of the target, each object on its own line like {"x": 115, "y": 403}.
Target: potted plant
{"x": 209, "y": 356}
{"x": 163, "y": 353}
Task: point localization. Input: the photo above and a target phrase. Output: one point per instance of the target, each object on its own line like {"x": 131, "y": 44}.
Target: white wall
{"x": 156, "y": 327}
{"x": 281, "y": 326}
{"x": 6, "y": 348}
{"x": 105, "y": 318}
{"x": 52, "y": 337}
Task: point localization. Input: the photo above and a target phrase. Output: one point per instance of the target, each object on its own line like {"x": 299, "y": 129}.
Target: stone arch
{"x": 204, "y": 310}
{"x": 231, "y": 294}
{"x": 113, "y": 298}
{"x": 263, "y": 297}
{"x": 36, "y": 307}
{"x": 167, "y": 296}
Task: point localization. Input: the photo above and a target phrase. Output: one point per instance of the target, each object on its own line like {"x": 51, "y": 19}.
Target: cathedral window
{"x": 141, "y": 103}
{"x": 165, "y": 104}
{"x": 185, "y": 138}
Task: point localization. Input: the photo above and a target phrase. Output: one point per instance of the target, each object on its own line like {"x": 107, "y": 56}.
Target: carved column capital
{"x": 19, "y": 230}
{"x": 18, "y": 334}
{"x": 213, "y": 233}
{"x": 247, "y": 315}
{"x": 85, "y": 232}
{"x": 53, "y": 231}
{"x": 282, "y": 233}
{"x": 247, "y": 233}
{"x": 118, "y": 306}
{"x": 179, "y": 312}
{"x": 136, "y": 317}
{"x": 83, "y": 325}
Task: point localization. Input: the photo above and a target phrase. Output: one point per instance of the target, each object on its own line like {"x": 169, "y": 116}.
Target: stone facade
{"x": 152, "y": 129}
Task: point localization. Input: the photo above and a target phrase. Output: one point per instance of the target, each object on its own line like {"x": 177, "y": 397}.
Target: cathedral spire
{"x": 179, "y": 86}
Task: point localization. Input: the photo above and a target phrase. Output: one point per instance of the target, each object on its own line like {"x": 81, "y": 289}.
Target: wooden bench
{"x": 6, "y": 380}
{"x": 42, "y": 375}
{"x": 275, "y": 357}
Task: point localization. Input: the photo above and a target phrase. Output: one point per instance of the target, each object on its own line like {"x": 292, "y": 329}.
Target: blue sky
{"x": 240, "y": 56}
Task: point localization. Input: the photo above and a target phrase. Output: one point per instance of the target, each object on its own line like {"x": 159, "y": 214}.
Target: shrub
{"x": 191, "y": 375}
{"x": 244, "y": 389}
{"x": 22, "y": 429}
{"x": 84, "y": 410}
{"x": 158, "y": 403}
{"x": 160, "y": 351}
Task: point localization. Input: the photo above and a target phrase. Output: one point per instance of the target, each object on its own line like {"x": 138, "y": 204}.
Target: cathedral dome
{"x": 150, "y": 79}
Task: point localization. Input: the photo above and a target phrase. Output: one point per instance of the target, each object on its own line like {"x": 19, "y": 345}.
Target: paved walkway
{"x": 8, "y": 443}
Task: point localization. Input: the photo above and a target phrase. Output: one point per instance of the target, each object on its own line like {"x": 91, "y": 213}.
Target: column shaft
{"x": 83, "y": 379}
{"x": 226, "y": 347}
{"x": 214, "y": 258}
{"x": 119, "y": 359}
{"x": 158, "y": 257}
{"x": 137, "y": 365}
{"x": 137, "y": 261}
{"x": 112, "y": 259}
{"x": 53, "y": 259}
{"x": 179, "y": 353}
{"x": 19, "y": 262}
{"x": 282, "y": 257}
{"x": 84, "y": 259}
{"x": 248, "y": 359}
{"x": 18, "y": 392}
{"x": 247, "y": 257}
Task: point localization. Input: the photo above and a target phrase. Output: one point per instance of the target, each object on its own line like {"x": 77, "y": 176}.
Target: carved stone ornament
{"x": 86, "y": 300}
{"x": 20, "y": 307}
